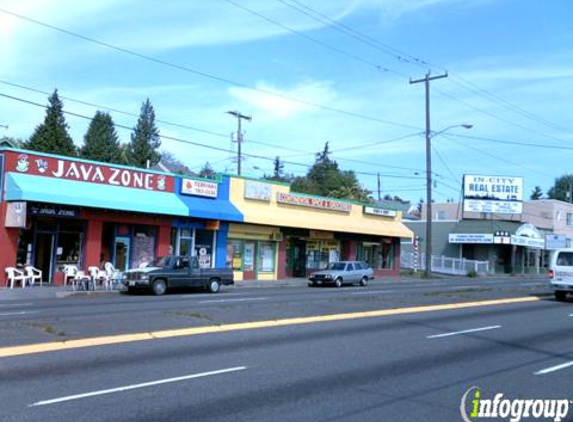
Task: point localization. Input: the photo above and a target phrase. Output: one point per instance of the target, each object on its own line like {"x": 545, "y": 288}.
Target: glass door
{"x": 44, "y": 253}
{"x": 121, "y": 253}
{"x": 249, "y": 261}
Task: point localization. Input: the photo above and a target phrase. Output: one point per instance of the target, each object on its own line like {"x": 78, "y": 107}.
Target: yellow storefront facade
{"x": 287, "y": 234}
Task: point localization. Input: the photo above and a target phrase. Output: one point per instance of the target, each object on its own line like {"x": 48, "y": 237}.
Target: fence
{"x": 445, "y": 265}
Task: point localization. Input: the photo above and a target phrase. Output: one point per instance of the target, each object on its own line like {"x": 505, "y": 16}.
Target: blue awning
{"x": 211, "y": 208}
{"x": 25, "y": 187}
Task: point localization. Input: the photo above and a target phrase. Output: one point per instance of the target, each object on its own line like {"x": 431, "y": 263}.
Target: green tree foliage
{"x": 562, "y": 188}
{"x": 101, "y": 142}
{"x": 325, "y": 178}
{"x": 536, "y": 193}
{"x": 207, "y": 171}
{"x": 52, "y": 135}
{"x": 278, "y": 172}
{"x": 145, "y": 139}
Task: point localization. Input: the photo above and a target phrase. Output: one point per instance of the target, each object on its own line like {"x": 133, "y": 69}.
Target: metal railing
{"x": 445, "y": 265}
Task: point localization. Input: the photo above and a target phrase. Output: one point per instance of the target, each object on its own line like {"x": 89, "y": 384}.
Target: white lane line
{"x": 15, "y": 304}
{"x": 473, "y": 330}
{"x": 245, "y": 299}
{"x": 372, "y": 292}
{"x": 135, "y": 386}
{"x": 554, "y": 368}
{"x": 19, "y": 313}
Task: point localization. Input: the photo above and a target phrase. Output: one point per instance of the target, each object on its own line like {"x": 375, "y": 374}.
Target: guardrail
{"x": 445, "y": 265}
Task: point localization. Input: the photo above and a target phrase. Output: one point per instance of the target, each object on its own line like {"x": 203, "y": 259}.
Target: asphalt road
{"x": 400, "y": 367}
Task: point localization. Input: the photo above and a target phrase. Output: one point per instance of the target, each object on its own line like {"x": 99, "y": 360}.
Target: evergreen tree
{"x": 145, "y": 139}
{"x": 537, "y": 193}
{"x": 52, "y": 135}
{"x": 325, "y": 178}
{"x": 207, "y": 171}
{"x": 278, "y": 168}
{"x": 101, "y": 142}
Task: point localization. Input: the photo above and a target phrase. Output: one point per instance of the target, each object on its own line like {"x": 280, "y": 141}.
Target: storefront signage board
{"x": 53, "y": 211}
{"x": 493, "y": 194}
{"x": 16, "y": 215}
{"x": 313, "y": 202}
{"x": 258, "y": 191}
{"x": 199, "y": 188}
{"x": 483, "y": 238}
{"x": 555, "y": 241}
{"x": 68, "y": 169}
{"x": 379, "y": 211}
{"x": 528, "y": 242}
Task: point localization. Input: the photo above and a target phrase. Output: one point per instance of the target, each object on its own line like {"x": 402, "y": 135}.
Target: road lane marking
{"x": 243, "y": 299}
{"x": 15, "y": 304}
{"x": 554, "y": 368}
{"x": 19, "y": 313}
{"x": 472, "y": 330}
{"x": 372, "y": 292}
{"x": 211, "y": 329}
{"x": 136, "y": 386}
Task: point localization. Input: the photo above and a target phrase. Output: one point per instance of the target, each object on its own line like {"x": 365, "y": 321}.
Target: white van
{"x": 561, "y": 272}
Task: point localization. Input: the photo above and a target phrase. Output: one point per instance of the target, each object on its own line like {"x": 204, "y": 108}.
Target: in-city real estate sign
{"x": 493, "y": 194}
{"x": 85, "y": 171}
{"x": 313, "y": 202}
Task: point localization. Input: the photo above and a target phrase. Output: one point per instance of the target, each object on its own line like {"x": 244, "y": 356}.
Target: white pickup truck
{"x": 561, "y": 272}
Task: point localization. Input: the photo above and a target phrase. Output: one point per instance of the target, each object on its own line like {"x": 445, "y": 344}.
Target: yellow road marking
{"x": 183, "y": 332}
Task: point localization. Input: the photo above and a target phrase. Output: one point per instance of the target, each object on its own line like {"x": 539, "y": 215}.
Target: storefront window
{"x": 143, "y": 245}
{"x": 320, "y": 253}
{"x": 234, "y": 254}
{"x": 266, "y": 257}
{"x": 379, "y": 256}
{"x": 204, "y": 247}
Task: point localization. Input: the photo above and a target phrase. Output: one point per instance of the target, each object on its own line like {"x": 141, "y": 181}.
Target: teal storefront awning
{"x": 25, "y": 187}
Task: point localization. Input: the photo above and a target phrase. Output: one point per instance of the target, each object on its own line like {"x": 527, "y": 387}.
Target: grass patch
{"x": 46, "y": 328}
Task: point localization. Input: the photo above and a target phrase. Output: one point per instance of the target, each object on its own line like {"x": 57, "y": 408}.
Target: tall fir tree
{"x": 52, "y": 136}
{"x": 207, "y": 171}
{"x": 101, "y": 142}
{"x": 145, "y": 139}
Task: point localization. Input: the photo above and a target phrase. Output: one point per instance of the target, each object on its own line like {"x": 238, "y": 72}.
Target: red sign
{"x": 69, "y": 169}
{"x": 314, "y": 202}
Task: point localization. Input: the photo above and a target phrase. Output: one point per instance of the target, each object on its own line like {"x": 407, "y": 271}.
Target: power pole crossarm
{"x": 428, "y": 258}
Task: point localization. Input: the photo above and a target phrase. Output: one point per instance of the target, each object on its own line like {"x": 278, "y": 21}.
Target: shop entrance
{"x": 121, "y": 253}
{"x": 298, "y": 252}
{"x": 43, "y": 253}
{"x": 249, "y": 261}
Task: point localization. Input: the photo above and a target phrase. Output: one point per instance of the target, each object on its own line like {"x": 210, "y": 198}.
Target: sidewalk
{"x": 51, "y": 292}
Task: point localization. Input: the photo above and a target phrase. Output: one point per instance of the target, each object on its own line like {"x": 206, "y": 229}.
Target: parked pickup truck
{"x": 176, "y": 271}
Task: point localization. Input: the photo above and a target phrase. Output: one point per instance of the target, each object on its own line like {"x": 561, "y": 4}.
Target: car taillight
{"x": 551, "y": 274}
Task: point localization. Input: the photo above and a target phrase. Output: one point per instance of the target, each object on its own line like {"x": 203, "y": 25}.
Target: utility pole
{"x": 379, "y": 187}
{"x": 239, "y": 117}
{"x": 428, "y": 258}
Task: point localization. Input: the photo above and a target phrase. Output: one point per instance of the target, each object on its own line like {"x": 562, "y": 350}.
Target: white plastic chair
{"x": 112, "y": 275}
{"x": 13, "y": 275}
{"x": 69, "y": 271}
{"x": 98, "y": 275}
{"x": 33, "y": 275}
{"x": 78, "y": 280}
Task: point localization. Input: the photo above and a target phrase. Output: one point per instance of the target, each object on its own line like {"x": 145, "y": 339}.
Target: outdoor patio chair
{"x": 70, "y": 272}
{"x": 13, "y": 275}
{"x": 33, "y": 274}
{"x": 113, "y": 275}
{"x": 98, "y": 275}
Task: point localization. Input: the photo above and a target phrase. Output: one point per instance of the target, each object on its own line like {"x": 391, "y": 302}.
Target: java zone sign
{"x": 493, "y": 194}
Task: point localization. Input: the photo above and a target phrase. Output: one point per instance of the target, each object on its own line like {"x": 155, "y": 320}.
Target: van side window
{"x": 565, "y": 259}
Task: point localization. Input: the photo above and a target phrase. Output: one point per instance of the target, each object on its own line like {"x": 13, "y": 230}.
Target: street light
{"x": 429, "y": 136}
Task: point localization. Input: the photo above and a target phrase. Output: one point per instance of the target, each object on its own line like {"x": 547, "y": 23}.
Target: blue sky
{"x": 510, "y": 64}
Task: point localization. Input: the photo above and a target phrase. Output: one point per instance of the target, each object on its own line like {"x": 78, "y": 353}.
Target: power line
{"x": 205, "y": 74}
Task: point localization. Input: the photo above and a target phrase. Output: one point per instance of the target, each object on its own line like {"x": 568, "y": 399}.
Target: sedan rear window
{"x": 336, "y": 266}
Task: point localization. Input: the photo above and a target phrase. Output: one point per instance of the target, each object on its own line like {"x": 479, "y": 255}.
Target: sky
{"x": 309, "y": 72}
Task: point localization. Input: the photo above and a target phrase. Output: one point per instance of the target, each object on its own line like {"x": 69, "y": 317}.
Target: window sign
{"x": 199, "y": 188}
{"x": 470, "y": 238}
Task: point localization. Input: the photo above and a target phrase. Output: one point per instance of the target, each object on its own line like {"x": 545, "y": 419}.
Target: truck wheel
{"x": 338, "y": 282}
{"x": 159, "y": 287}
{"x": 214, "y": 285}
{"x": 560, "y": 295}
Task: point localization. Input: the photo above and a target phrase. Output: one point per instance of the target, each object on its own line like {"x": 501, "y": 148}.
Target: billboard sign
{"x": 493, "y": 194}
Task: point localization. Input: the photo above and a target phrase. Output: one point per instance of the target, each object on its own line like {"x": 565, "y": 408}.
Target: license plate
{"x": 132, "y": 283}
